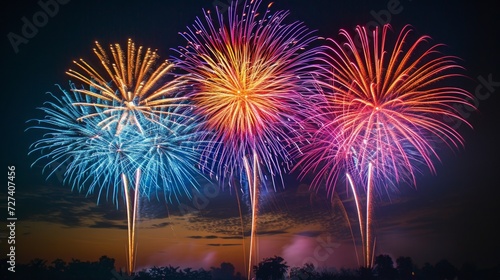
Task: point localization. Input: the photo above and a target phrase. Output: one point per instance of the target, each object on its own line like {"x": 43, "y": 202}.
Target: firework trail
{"x": 248, "y": 71}
{"x": 129, "y": 164}
{"x": 381, "y": 115}
{"x": 128, "y": 86}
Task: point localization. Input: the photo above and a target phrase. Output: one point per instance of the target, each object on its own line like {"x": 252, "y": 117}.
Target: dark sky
{"x": 450, "y": 215}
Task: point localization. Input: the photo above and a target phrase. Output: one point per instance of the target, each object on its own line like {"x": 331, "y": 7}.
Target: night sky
{"x": 451, "y": 214}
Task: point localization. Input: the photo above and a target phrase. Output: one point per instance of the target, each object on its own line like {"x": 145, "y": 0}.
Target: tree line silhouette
{"x": 273, "y": 268}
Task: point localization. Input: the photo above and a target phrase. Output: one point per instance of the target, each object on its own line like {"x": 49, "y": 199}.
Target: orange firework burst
{"x": 129, "y": 84}
{"x": 248, "y": 72}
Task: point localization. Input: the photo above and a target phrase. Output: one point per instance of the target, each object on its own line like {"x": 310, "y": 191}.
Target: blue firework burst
{"x": 160, "y": 158}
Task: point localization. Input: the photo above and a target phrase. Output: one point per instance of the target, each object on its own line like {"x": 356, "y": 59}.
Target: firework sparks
{"x": 131, "y": 83}
{"x": 382, "y": 115}
{"x": 129, "y": 164}
{"x": 129, "y": 90}
{"x": 248, "y": 72}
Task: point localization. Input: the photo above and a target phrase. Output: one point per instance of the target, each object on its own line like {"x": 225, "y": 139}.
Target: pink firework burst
{"x": 385, "y": 105}
{"x": 381, "y": 115}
